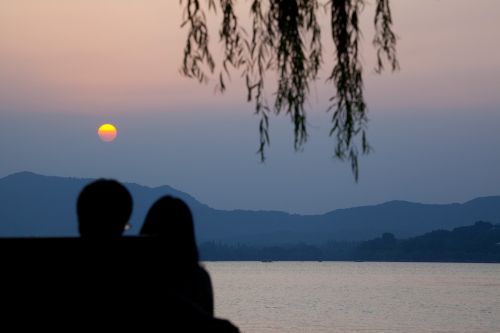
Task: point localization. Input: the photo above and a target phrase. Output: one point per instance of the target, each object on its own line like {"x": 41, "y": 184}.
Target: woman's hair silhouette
{"x": 170, "y": 218}
{"x": 171, "y": 222}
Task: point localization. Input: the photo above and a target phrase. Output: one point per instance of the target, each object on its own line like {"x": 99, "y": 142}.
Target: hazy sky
{"x": 68, "y": 66}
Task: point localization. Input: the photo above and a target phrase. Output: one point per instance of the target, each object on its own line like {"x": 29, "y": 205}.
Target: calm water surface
{"x": 357, "y": 297}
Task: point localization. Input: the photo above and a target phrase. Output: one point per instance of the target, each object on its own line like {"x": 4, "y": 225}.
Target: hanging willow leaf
{"x": 285, "y": 37}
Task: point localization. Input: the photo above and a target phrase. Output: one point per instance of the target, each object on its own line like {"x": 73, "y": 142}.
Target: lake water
{"x": 357, "y": 297}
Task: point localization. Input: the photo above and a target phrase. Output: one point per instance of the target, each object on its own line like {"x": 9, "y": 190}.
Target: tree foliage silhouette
{"x": 285, "y": 37}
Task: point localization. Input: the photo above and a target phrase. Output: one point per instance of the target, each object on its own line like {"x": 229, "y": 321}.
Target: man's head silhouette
{"x": 103, "y": 209}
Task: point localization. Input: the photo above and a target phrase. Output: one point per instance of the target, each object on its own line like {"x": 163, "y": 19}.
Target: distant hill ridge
{"x": 36, "y": 205}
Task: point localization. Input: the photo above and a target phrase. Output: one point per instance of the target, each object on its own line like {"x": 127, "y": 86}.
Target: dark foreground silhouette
{"x": 103, "y": 281}
{"x": 96, "y": 283}
{"x": 170, "y": 220}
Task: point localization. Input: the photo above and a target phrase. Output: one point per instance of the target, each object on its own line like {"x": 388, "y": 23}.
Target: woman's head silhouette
{"x": 171, "y": 219}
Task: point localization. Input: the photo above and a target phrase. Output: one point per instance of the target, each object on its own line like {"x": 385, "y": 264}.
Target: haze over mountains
{"x": 35, "y": 205}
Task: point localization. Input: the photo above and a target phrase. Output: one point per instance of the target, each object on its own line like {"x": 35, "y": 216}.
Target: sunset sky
{"x": 66, "y": 67}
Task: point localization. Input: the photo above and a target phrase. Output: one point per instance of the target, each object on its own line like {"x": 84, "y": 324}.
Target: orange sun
{"x": 107, "y": 132}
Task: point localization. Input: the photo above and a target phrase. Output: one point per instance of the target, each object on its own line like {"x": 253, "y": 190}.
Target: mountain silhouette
{"x": 25, "y": 196}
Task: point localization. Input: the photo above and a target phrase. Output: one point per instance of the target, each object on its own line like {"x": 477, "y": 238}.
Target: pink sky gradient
{"x": 114, "y": 55}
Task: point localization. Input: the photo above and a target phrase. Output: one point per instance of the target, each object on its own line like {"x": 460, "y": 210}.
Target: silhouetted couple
{"x": 173, "y": 284}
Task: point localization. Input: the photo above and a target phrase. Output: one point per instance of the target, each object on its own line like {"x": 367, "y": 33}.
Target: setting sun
{"x": 107, "y": 132}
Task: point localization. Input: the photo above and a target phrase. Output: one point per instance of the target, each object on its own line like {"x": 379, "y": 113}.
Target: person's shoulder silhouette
{"x": 103, "y": 208}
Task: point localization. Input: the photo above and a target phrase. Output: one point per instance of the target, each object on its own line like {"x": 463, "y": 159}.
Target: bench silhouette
{"x": 103, "y": 283}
